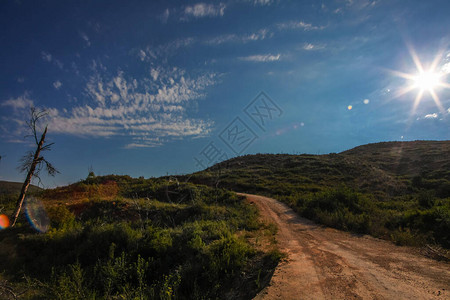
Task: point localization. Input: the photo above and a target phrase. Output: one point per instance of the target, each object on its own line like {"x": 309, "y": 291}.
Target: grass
{"x": 116, "y": 237}
{"x": 398, "y": 191}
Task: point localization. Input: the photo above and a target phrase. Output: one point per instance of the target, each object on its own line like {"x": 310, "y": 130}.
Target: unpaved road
{"x": 324, "y": 263}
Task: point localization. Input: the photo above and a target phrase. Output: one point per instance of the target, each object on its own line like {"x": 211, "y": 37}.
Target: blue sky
{"x": 147, "y": 88}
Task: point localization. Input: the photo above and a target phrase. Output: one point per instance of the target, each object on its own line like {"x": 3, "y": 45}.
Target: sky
{"x": 149, "y": 88}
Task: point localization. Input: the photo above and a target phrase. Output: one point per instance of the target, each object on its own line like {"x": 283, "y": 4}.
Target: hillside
{"x": 9, "y": 187}
{"x": 394, "y": 190}
{"x": 384, "y": 169}
{"x": 188, "y": 237}
{"x": 9, "y": 193}
{"x": 116, "y": 237}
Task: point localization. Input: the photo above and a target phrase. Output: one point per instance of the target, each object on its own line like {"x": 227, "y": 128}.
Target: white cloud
{"x": 256, "y": 36}
{"x": 150, "y": 110}
{"x": 261, "y": 58}
{"x": 446, "y": 68}
{"x": 431, "y": 116}
{"x": 21, "y": 102}
{"x": 155, "y": 54}
{"x": 58, "y": 63}
{"x": 201, "y": 10}
{"x": 46, "y": 56}
{"x": 154, "y": 73}
{"x": 263, "y": 2}
{"x": 85, "y": 38}
{"x": 142, "y": 55}
{"x": 164, "y": 17}
{"x": 49, "y": 58}
{"x": 57, "y": 84}
{"x": 147, "y": 111}
{"x": 360, "y": 4}
{"x": 312, "y": 47}
{"x": 299, "y": 25}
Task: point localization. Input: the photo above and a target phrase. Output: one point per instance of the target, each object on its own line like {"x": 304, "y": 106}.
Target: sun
{"x": 425, "y": 81}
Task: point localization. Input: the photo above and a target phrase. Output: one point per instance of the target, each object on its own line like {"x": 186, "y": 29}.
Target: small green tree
{"x": 32, "y": 162}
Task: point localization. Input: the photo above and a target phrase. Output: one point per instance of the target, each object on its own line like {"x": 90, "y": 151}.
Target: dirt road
{"x": 324, "y": 263}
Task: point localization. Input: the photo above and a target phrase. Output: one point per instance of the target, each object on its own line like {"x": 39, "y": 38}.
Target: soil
{"x": 325, "y": 263}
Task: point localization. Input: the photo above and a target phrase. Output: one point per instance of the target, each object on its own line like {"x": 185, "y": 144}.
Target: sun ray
{"x": 436, "y": 60}
{"x": 426, "y": 81}
{"x": 416, "y": 102}
{"x": 445, "y": 85}
{"x": 403, "y": 91}
{"x": 416, "y": 59}
{"x": 437, "y": 101}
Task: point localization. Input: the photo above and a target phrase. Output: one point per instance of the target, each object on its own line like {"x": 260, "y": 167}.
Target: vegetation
{"x": 398, "y": 190}
{"x": 116, "y": 237}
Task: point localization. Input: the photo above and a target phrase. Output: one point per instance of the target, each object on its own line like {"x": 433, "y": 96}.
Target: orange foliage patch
{"x": 79, "y": 191}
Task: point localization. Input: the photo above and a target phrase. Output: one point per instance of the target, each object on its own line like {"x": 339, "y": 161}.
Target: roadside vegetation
{"x": 396, "y": 191}
{"x": 115, "y": 237}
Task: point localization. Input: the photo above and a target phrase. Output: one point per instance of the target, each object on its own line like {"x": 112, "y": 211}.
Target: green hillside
{"x": 394, "y": 190}
{"x": 192, "y": 237}
{"x": 8, "y": 187}
{"x": 9, "y": 193}
{"x": 116, "y": 237}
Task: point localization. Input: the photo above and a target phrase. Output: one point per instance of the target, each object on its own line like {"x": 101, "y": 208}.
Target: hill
{"x": 394, "y": 190}
{"x": 9, "y": 187}
{"x": 9, "y": 193}
{"x": 385, "y": 169}
{"x": 117, "y": 237}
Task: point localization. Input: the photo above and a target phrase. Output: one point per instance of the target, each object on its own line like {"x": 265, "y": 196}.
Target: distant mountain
{"x": 383, "y": 169}
{"x": 8, "y": 187}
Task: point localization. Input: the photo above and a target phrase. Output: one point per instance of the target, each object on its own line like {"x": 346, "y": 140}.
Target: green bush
{"x": 141, "y": 248}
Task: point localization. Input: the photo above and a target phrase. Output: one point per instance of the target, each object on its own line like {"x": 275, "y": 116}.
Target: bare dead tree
{"x": 32, "y": 162}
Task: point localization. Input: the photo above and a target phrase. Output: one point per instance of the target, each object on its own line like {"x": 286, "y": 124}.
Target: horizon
{"x": 236, "y": 157}
{"x": 150, "y": 89}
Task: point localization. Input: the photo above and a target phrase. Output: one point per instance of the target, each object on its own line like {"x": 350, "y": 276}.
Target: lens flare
{"x": 425, "y": 81}
{"x": 349, "y": 107}
{"x": 4, "y": 221}
{"x": 36, "y": 214}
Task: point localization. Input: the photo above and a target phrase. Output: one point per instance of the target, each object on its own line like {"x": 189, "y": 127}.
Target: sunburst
{"x": 425, "y": 81}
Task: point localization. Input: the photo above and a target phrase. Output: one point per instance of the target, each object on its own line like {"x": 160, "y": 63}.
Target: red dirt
{"x": 324, "y": 263}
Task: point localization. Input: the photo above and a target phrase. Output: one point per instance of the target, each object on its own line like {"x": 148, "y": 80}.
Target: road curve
{"x": 324, "y": 263}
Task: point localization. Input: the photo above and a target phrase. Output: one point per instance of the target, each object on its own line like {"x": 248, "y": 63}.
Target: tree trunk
{"x": 27, "y": 181}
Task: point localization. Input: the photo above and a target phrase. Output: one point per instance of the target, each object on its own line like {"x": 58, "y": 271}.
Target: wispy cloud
{"x": 85, "y": 38}
{"x": 263, "y": 2}
{"x": 21, "y": 102}
{"x": 57, "y": 84}
{"x": 300, "y": 25}
{"x": 164, "y": 17}
{"x": 361, "y": 4}
{"x": 431, "y": 116}
{"x": 49, "y": 58}
{"x": 149, "y": 110}
{"x": 312, "y": 47}
{"x": 161, "y": 52}
{"x": 201, "y": 10}
{"x": 261, "y": 58}
{"x": 446, "y": 68}
{"x": 46, "y": 56}
{"x": 244, "y": 38}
